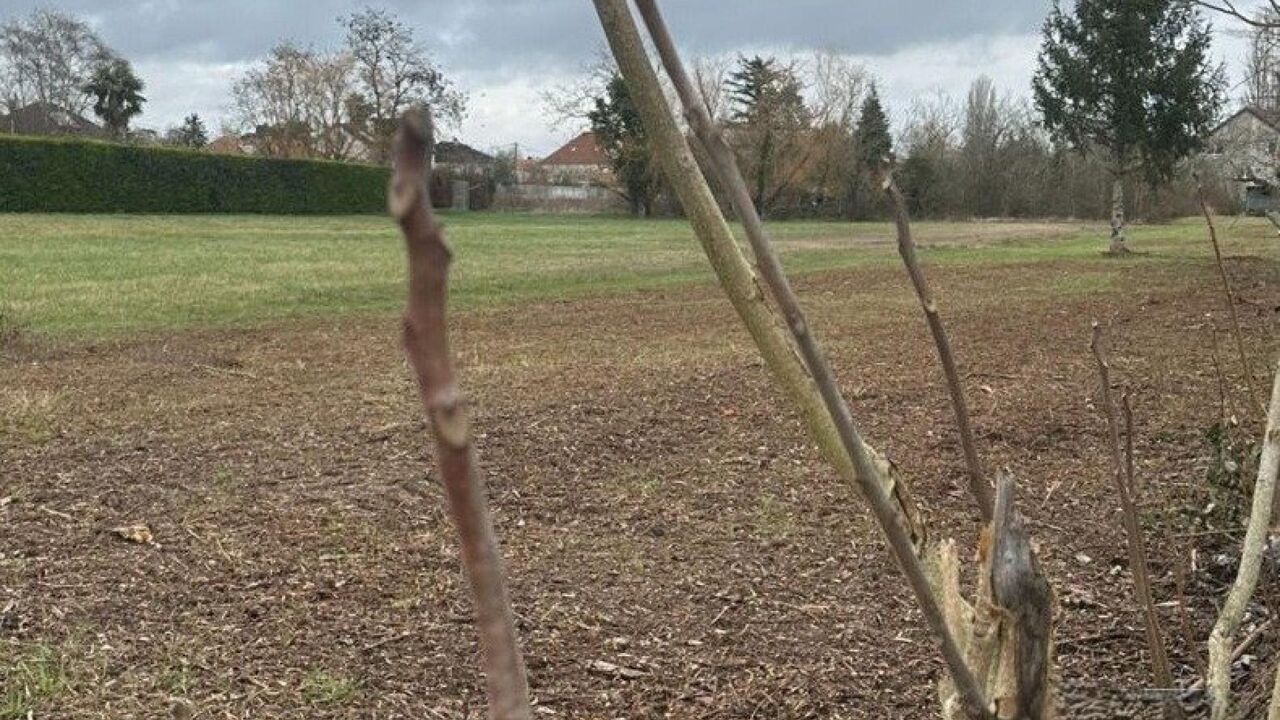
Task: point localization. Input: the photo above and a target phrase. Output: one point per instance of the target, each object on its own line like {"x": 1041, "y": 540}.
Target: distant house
{"x": 454, "y": 155}
{"x": 1246, "y": 147}
{"x": 229, "y": 144}
{"x": 581, "y": 160}
{"x": 42, "y": 118}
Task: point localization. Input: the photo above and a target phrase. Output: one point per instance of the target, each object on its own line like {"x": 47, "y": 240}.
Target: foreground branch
{"x": 1229, "y": 297}
{"x": 1255, "y": 540}
{"x": 1122, "y": 473}
{"x": 907, "y": 249}
{"x": 426, "y": 343}
{"x": 627, "y": 48}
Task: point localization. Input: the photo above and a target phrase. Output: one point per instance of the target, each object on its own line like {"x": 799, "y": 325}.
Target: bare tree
{"x": 987, "y": 119}
{"x": 1262, "y": 64}
{"x": 48, "y": 57}
{"x": 568, "y": 105}
{"x": 395, "y": 72}
{"x": 1013, "y": 578}
{"x": 296, "y": 103}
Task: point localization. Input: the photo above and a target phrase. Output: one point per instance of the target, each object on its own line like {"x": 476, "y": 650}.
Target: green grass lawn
{"x": 106, "y": 275}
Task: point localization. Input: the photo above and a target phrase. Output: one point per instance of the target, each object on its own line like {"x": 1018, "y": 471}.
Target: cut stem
{"x": 907, "y": 249}
{"x": 1122, "y": 473}
{"x": 426, "y": 344}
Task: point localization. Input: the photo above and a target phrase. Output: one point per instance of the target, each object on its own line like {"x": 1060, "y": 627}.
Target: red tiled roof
{"x": 582, "y": 150}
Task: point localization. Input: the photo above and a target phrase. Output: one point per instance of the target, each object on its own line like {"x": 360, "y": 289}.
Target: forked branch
{"x": 907, "y": 249}
{"x": 426, "y": 344}
{"x": 1122, "y": 473}
{"x": 724, "y": 166}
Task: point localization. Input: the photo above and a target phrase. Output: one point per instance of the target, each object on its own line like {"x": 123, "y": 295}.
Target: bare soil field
{"x": 676, "y": 549}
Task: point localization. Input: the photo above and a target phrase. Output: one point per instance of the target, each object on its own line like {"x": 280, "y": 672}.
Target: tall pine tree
{"x": 875, "y": 144}
{"x": 1131, "y": 80}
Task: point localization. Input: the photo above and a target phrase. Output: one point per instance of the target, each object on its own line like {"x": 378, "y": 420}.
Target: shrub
{"x": 74, "y": 175}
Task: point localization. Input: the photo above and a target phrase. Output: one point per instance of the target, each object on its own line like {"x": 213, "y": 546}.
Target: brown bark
{"x": 426, "y": 344}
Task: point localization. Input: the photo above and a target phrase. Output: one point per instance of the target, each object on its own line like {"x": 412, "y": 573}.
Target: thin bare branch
{"x": 907, "y": 249}
{"x": 724, "y": 166}
{"x": 426, "y": 344}
{"x": 1228, "y": 7}
{"x": 1229, "y": 298}
{"x": 1255, "y": 541}
{"x": 1122, "y": 472}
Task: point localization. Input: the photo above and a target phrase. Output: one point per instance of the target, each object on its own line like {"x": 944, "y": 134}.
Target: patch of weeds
{"x": 773, "y": 519}
{"x": 177, "y": 680}
{"x": 321, "y": 688}
{"x": 11, "y": 328}
{"x": 1229, "y": 480}
{"x": 36, "y": 677}
{"x": 28, "y": 416}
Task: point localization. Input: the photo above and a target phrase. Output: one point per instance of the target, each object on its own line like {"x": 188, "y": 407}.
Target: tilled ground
{"x": 676, "y": 549}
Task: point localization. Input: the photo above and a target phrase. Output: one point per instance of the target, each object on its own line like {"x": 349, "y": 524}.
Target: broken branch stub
{"x": 426, "y": 345}
{"x": 1007, "y": 632}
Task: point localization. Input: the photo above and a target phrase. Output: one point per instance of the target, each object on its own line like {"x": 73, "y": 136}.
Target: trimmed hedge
{"x": 89, "y": 176}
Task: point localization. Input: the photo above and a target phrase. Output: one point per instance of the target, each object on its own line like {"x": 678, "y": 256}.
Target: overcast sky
{"x": 503, "y": 52}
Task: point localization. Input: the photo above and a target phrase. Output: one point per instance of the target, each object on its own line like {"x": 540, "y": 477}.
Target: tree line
{"x": 298, "y": 102}
{"x": 1123, "y": 97}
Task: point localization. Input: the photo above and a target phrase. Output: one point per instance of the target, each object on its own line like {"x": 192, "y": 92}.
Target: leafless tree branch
{"x": 907, "y": 249}
{"x": 724, "y": 166}
{"x": 1122, "y": 472}
{"x": 1229, "y": 297}
{"x": 426, "y": 344}
{"x": 1228, "y": 7}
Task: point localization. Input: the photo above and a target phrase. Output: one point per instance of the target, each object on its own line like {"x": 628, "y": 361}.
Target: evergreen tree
{"x": 620, "y": 131}
{"x": 118, "y": 95}
{"x": 872, "y": 145}
{"x": 1130, "y": 80}
{"x": 191, "y": 133}
{"x": 770, "y": 118}
{"x": 875, "y": 143}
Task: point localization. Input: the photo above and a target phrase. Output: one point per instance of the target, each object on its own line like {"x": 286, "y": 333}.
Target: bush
{"x": 73, "y": 175}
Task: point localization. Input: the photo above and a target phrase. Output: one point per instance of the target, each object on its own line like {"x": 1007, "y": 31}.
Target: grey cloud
{"x": 479, "y": 34}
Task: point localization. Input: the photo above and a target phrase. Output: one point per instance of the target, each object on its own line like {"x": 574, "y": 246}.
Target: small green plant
{"x": 1229, "y": 478}
{"x": 35, "y": 677}
{"x": 321, "y": 688}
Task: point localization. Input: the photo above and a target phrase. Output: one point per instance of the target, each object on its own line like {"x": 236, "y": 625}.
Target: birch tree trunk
{"x": 1255, "y": 541}
{"x": 1117, "y": 216}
